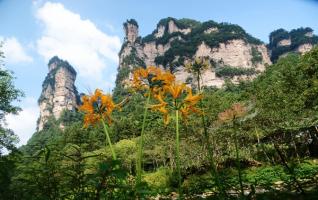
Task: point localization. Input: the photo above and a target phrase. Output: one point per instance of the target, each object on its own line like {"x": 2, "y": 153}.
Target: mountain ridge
{"x": 233, "y": 53}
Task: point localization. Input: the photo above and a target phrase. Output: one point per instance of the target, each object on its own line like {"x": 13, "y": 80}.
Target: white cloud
{"x": 14, "y": 51}
{"x": 77, "y": 40}
{"x": 24, "y": 124}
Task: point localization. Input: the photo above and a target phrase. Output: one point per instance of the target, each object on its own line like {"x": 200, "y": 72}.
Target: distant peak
{"x": 55, "y": 59}
{"x": 56, "y": 62}
{"x": 131, "y": 21}
{"x": 131, "y": 30}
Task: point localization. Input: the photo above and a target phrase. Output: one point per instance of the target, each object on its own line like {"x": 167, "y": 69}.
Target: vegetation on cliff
{"x": 185, "y": 45}
{"x": 297, "y": 37}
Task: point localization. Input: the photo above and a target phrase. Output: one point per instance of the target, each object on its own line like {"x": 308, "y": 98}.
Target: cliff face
{"x": 174, "y": 42}
{"x": 58, "y": 91}
{"x": 299, "y": 40}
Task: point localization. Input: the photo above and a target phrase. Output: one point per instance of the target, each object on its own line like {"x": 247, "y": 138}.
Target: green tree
{"x": 8, "y": 140}
{"x": 8, "y": 94}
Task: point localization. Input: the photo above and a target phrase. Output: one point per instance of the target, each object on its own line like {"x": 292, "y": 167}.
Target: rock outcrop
{"x": 58, "y": 91}
{"x": 131, "y": 31}
{"x": 299, "y": 40}
{"x": 303, "y": 48}
{"x": 284, "y": 42}
{"x": 174, "y": 42}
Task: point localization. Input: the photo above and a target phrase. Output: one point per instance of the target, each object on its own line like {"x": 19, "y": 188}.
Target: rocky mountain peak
{"x": 232, "y": 52}
{"x": 58, "y": 91}
{"x": 131, "y": 30}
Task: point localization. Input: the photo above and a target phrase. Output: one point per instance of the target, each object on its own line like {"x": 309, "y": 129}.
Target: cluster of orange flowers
{"x": 97, "y": 107}
{"x": 151, "y": 78}
{"x": 162, "y": 85}
{"x": 182, "y": 100}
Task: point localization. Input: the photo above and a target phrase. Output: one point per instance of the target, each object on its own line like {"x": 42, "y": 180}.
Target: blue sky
{"x": 89, "y": 34}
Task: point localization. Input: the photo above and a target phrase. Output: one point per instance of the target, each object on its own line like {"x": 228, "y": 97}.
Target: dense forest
{"x": 160, "y": 139}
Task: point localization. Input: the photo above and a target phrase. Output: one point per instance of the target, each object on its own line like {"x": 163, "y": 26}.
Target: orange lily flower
{"x": 192, "y": 99}
{"x": 161, "y": 107}
{"x": 176, "y": 89}
{"x": 152, "y": 78}
{"x": 96, "y": 107}
{"x": 186, "y": 105}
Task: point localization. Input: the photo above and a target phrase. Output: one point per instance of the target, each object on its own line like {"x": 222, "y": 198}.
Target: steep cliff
{"x": 58, "y": 91}
{"x": 233, "y": 53}
{"x": 299, "y": 40}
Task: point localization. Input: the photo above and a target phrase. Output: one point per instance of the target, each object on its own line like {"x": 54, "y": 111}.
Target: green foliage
{"x": 39, "y": 140}
{"x": 308, "y": 67}
{"x": 167, "y": 37}
{"x": 7, "y": 166}
{"x": 278, "y": 35}
{"x": 8, "y": 140}
{"x": 158, "y": 181}
{"x": 197, "y": 184}
{"x": 181, "y": 23}
{"x": 283, "y": 86}
{"x": 68, "y": 117}
{"x": 119, "y": 90}
{"x": 230, "y": 72}
{"x": 148, "y": 38}
{"x": 123, "y": 46}
{"x": 256, "y": 56}
{"x": 265, "y": 176}
{"x": 126, "y": 150}
{"x": 297, "y": 37}
{"x": 133, "y": 59}
{"x": 8, "y": 94}
{"x": 185, "y": 22}
{"x": 109, "y": 174}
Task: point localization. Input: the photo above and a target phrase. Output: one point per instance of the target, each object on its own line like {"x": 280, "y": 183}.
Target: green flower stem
{"x": 141, "y": 141}
{"x": 214, "y": 171}
{"x": 108, "y": 139}
{"x": 178, "y": 153}
{"x": 238, "y": 163}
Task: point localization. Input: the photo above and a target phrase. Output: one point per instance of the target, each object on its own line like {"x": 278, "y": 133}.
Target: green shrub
{"x": 126, "y": 151}
{"x": 306, "y": 170}
{"x": 158, "y": 181}
{"x": 197, "y": 184}
{"x": 265, "y": 176}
